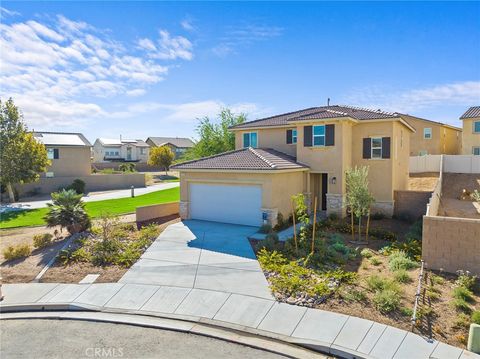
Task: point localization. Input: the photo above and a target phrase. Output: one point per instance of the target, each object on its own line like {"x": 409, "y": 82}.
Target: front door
{"x": 318, "y": 189}
{"x": 324, "y": 191}
{"x": 129, "y": 153}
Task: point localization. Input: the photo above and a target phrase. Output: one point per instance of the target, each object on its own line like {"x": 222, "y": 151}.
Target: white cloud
{"x": 187, "y": 24}
{"x": 168, "y": 47}
{"x": 6, "y": 12}
{"x": 459, "y": 93}
{"x": 59, "y": 71}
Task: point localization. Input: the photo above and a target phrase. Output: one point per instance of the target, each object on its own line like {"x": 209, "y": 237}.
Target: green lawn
{"x": 34, "y": 217}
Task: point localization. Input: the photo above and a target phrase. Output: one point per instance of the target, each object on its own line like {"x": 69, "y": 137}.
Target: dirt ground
{"x": 451, "y": 205}
{"x": 422, "y": 181}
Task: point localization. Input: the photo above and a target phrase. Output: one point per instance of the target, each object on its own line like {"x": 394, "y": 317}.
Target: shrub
{"x": 78, "y": 186}
{"x": 377, "y": 283}
{"x": 127, "y": 167}
{"x": 465, "y": 279}
{"x": 461, "y": 305}
{"x": 366, "y": 253}
{"x": 375, "y": 261}
{"x": 463, "y": 294}
{"x": 476, "y": 317}
{"x": 380, "y": 233}
{"x": 355, "y": 295}
{"x": 342, "y": 227}
{"x": 399, "y": 260}
{"x": 333, "y": 217}
{"x": 415, "y": 231}
{"x": 265, "y": 228}
{"x": 271, "y": 261}
{"x": 67, "y": 210}
{"x": 18, "y": 251}
{"x": 401, "y": 276}
{"x": 462, "y": 321}
{"x": 408, "y": 312}
{"x": 386, "y": 300}
{"x": 377, "y": 216}
{"x": 42, "y": 240}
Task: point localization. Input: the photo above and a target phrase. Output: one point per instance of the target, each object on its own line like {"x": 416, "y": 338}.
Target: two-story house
{"x": 433, "y": 138}
{"x": 120, "y": 150}
{"x": 69, "y": 153}
{"x": 471, "y": 131}
{"x": 306, "y": 151}
{"x": 179, "y": 145}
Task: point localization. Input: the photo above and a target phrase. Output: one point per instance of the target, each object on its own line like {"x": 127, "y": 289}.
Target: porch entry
{"x": 319, "y": 188}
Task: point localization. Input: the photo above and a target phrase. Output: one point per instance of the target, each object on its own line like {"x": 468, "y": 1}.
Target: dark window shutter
{"x": 329, "y": 135}
{"x": 307, "y": 136}
{"x": 289, "y": 136}
{"x": 55, "y": 153}
{"x": 367, "y": 148}
{"x": 385, "y": 147}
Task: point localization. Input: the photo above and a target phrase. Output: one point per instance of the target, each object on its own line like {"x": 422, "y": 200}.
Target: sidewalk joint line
{"x": 400, "y": 344}
{"x": 381, "y": 335}
{"x": 296, "y": 325}
{"x": 368, "y": 331}
{"x": 198, "y": 262}
{"x": 268, "y": 311}
{"x": 183, "y": 299}
{"x": 343, "y": 326}
{"x": 223, "y": 304}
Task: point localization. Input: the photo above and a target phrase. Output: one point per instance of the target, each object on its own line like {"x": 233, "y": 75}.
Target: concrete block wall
{"x": 147, "y": 213}
{"x": 451, "y": 244}
{"x": 411, "y": 203}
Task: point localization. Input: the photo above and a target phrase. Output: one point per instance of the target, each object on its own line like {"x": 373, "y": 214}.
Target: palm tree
{"x": 67, "y": 211}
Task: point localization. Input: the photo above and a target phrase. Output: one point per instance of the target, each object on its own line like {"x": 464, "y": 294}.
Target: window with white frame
{"x": 143, "y": 150}
{"x": 376, "y": 147}
{"x": 476, "y": 127}
{"x": 50, "y": 153}
{"x": 476, "y": 151}
{"x": 318, "y": 134}
{"x": 427, "y": 133}
{"x": 250, "y": 139}
{"x": 294, "y": 136}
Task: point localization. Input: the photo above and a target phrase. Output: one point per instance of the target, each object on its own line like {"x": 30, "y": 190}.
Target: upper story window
{"x": 427, "y": 133}
{"x": 319, "y": 135}
{"x": 476, "y": 151}
{"x": 291, "y": 137}
{"x": 250, "y": 139}
{"x": 143, "y": 150}
{"x": 294, "y": 136}
{"x": 52, "y": 153}
{"x": 476, "y": 127}
{"x": 376, "y": 147}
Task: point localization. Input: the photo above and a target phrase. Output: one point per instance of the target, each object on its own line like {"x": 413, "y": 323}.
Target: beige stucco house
{"x": 433, "y": 138}
{"x": 306, "y": 151}
{"x": 120, "y": 150}
{"x": 179, "y": 145}
{"x": 471, "y": 131}
{"x": 69, "y": 154}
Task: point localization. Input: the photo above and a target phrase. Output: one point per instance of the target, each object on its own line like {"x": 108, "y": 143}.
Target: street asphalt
{"x": 40, "y": 338}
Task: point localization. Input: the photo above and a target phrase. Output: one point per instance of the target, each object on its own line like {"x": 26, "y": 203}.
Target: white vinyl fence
{"x": 451, "y": 164}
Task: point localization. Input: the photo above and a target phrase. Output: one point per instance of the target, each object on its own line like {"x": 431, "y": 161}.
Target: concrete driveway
{"x": 203, "y": 255}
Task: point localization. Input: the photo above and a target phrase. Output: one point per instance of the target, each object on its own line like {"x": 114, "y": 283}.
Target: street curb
{"x": 257, "y": 341}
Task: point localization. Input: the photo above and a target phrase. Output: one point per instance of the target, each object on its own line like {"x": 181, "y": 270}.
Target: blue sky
{"x": 150, "y": 69}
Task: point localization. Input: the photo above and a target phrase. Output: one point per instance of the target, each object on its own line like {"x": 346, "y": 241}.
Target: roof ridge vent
{"x": 251, "y": 149}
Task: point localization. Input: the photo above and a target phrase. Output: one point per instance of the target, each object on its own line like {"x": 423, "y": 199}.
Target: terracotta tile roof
{"x": 472, "y": 112}
{"x": 244, "y": 159}
{"x": 321, "y": 112}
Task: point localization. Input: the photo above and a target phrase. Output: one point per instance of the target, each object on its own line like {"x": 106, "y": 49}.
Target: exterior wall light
{"x": 334, "y": 180}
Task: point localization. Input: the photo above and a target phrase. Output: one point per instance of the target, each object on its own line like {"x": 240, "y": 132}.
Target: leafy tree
{"x": 67, "y": 210}
{"x": 127, "y": 167}
{"x": 22, "y": 157}
{"x": 161, "y": 156}
{"x": 358, "y": 197}
{"x": 215, "y": 137}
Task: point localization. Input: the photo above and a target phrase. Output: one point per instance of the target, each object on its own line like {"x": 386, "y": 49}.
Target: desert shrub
{"x": 129, "y": 227}
{"x": 465, "y": 279}
{"x": 463, "y": 294}
{"x": 127, "y": 167}
{"x": 462, "y": 321}
{"x": 270, "y": 242}
{"x": 476, "y": 195}
{"x": 412, "y": 249}
{"x": 150, "y": 232}
{"x": 401, "y": 276}
{"x": 105, "y": 251}
{"x": 42, "y": 240}
{"x": 78, "y": 186}
{"x": 436, "y": 279}
{"x": 386, "y": 300}
{"x": 377, "y": 283}
{"x": 408, "y": 312}
{"x": 432, "y": 293}
{"x": 375, "y": 261}
{"x": 17, "y": 251}
{"x": 265, "y": 228}
{"x": 380, "y": 233}
{"x": 283, "y": 223}
{"x": 415, "y": 231}
{"x": 271, "y": 260}
{"x": 342, "y": 227}
{"x": 476, "y": 317}
{"x": 67, "y": 210}
{"x": 461, "y": 305}
{"x": 399, "y": 260}
{"x": 377, "y": 216}
{"x": 366, "y": 253}
{"x": 354, "y": 295}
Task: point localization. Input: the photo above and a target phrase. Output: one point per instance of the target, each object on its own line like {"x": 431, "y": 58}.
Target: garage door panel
{"x": 238, "y": 204}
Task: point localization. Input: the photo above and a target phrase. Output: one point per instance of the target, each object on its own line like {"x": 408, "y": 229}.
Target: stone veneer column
{"x": 272, "y": 214}
{"x": 184, "y": 210}
{"x": 335, "y": 204}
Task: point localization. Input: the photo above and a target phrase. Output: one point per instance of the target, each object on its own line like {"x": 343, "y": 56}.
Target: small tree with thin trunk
{"x": 358, "y": 198}
{"x": 22, "y": 158}
{"x": 161, "y": 156}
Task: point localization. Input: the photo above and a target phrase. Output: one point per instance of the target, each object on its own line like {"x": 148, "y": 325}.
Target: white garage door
{"x": 238, "y": 204}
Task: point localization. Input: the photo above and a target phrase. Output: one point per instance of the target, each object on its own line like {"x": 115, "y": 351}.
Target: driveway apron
{"x": 202, "y": 255}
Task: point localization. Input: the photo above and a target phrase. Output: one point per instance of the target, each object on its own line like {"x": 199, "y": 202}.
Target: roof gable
{"x": 472, "y": 112}
{"x": 61, "y": 139}
{"x": 182, "y": 142}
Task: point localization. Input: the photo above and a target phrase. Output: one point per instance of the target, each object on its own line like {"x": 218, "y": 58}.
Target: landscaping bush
{"x": 465, "y": 279}
{"x": 375, "y": 261}
{"x": 415, "y": 231}
{"x": 354, "y": 295}
{"x": 476, "y": 317}
{"x": 42, "y": 240}
{"x": 333, "y": 217}
{"x": 283, "y": 223}
{"x": 399, "y": 260}
{"x": 461, "y": 305}
{"x": 342, "y": 227}
{"x": 375, "y": 282}
{"x": 377, "y": 216}
{"x": 127, "y": 167}
{"x": 401, "y": 276}
{"x": 67, "y": 210}
{"x": 386, "y": 301}
{"x": 78, "y": 186}
{"x": 271, "y": 260}
{"x": 380, "y": 233}
{"x": 18, "y": 251}
{"x": 462, "y": 293}
{"x": 366, "y": 253}
{"x": 265, "y": 228}
{"x": 462, "y": 321}
{"x": 270, "y": 242}
{"x": 408, "y": 312}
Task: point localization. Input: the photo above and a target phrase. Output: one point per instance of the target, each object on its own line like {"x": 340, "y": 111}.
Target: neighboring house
{"x": 178, "y": 145}
{"x": 471, "y": 131}
{"x": 306, "y": 151}
{"x": 69, "y": 153}
{"x": 433, "y": 138}
{"x": 120, "y": 150}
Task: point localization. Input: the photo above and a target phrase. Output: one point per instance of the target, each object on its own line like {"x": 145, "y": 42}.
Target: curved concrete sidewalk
{"x": 327, "y": 332}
